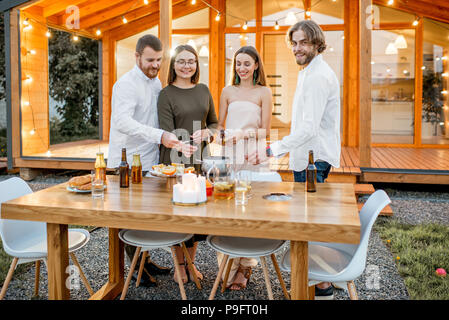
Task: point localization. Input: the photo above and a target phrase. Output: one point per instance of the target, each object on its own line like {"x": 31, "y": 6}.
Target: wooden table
{"x": 329, "y": 215}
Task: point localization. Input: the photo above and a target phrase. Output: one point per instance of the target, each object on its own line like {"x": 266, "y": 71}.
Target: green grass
{"x": 421, "y": 250}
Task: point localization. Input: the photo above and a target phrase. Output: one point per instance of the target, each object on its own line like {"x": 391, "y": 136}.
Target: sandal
{"x": 246, "y": 272}
{"x": 184, "y": 279}
{"x": 199, "y": 275}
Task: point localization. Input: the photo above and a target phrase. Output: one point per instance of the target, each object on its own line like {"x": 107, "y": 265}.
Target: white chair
{"x": 26, "y": 241}
{"x": 238, "y": 247}
{"x": 147, "y": 240}
{"x": 343, "y": 263}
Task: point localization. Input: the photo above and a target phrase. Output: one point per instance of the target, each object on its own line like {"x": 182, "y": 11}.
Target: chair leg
{"x": 281, "y": 280}
{"x": 352, "y": 291}
{"x": 8, "y": 277}
{"x": 226, "y": 277}
{"x": 83, "y": 277}
{"x": 36, "y": 278}
{"x": 267, "y": 278}
{"x": 178, "y": 274}
{"x": 190, "y": 265}
{"x": 130, "y": 274}
{"x": 142, "y": 263}
{"x": 217, "y": 280}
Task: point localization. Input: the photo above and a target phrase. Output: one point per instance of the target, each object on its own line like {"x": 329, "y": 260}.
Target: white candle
{"x": 178, "y": 190}
{"x": 190, "y": 196}
{"x": 189, "y": 180}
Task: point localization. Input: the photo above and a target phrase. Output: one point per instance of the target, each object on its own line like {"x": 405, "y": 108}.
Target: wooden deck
{"x": 402, "y": 165}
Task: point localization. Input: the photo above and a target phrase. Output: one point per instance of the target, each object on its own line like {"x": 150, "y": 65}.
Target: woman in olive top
{"x": 186, "y": 104}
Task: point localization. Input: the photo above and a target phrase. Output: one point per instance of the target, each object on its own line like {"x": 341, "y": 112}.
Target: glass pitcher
{"x": 223, "y": 181}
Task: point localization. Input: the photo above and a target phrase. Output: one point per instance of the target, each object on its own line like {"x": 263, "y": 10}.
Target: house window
{"x": 435, "y": 98}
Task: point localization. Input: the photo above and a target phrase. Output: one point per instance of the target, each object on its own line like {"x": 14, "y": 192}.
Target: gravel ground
{"x": 409, "y": 207}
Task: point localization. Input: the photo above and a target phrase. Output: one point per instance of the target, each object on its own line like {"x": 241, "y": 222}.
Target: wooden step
{"x": 387, "y": 211}
{"x": 363, "y": 188}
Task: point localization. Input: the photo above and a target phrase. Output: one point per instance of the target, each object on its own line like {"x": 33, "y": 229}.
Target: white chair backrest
{"x": 368, "y": 215}
{"x": 268, "y": 176}
{"x": 13, "y": 229}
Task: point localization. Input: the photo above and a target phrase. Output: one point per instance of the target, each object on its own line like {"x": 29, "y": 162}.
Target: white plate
{"x": 80, "y": 191}
{"x": 162, "y": 175}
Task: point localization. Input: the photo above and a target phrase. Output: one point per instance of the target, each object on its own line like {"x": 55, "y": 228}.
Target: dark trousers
{"x": 322, "y": 171}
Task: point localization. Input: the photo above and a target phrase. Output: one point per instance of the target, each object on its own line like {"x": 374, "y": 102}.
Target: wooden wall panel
{"x": 365, "y": 86}
{"x": 217, "y": 52}
{"x": 36, "y": 114}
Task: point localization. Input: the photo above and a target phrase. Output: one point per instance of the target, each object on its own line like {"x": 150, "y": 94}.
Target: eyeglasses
{"x": 183, "y": 62}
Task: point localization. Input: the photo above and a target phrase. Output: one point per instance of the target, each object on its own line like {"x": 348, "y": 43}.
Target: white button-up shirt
{"x": 134, "y": 120}
{"x": 315, "y": 121}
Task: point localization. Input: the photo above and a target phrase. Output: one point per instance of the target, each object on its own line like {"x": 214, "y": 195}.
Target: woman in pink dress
{"x": 245, "y": 107}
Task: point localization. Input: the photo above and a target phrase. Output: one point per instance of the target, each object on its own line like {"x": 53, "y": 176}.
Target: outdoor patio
{"x": 409, "y": 207}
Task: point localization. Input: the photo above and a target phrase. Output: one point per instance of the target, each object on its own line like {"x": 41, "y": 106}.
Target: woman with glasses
{"x": 245, "y": 110}
{"x": 186, "y": 108}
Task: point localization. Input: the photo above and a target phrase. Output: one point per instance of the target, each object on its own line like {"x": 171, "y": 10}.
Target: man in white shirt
{"x": 135, "y": 125}
{"x": 315, "y": 121}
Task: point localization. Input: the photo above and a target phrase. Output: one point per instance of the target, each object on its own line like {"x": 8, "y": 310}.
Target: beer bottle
{"x": 136, "y": 169}
{"x": 223, "y": 143}
{"x": 100, "y": 167}
{"x": 124, "y": 171}
{"x": 311, "y": 174}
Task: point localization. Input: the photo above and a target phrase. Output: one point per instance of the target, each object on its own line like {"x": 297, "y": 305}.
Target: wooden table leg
{"x": 113, "y": 288}
{"x": 300, "y": 267}
{"x": 58, "y": 261}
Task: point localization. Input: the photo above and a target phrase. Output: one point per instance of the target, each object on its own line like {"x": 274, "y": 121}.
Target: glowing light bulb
{"x": 33, "y": 131}
{"x": 245, "y": 26}
{"x": 75, "y": 38}
{"x": 276, "y": 26}
{"x": 124, "y": 20}
{"x": 145, "y": 1}
{"x": 193, "y": 2}
{"x": 48, "y": 34}
{"x": 415, "y": 23}
{"x": 445, "y": 74}
{"x": 390, "y": 2}
{"x": 308, "y": 13}
{"x": 26, "y": 103}
{"x": 217, "y": 18}
{"x": 48, "y": 154}
{"x": 98, "y": 32}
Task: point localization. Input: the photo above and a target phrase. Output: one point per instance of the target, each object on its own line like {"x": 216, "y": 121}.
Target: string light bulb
{"x": 193, "y": 2}
{"x": 26, "y": 23}
{"x": 124, "y": 20}
{"x": 415, "y": 23}
{"x": 276, "y": 26}
{"x": 75, "y": 38}
{"x": 48, "y": 34}
{"x": 390, "y": 2}
{"x": 98, "y": 32}
{"x": 245, "y": 26}
{"x": 308, "y": 13}
{"x": 145, "y": 1}
{"x": 217, "y": 18}
{"x": 33, "y": 131}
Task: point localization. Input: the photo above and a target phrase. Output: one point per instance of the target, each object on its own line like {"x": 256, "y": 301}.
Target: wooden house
{"x": 395, "y": 123}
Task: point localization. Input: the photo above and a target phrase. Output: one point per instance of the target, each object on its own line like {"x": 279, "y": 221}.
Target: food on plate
{"x": 79, "y": 181}
{"x": 189, "y": 170}
{"x": 158, "y": 168}
{"x": 169, "y": 170}
{"x": 86, "y": 186}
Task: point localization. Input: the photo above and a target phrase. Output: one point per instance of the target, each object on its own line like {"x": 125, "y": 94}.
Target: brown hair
{"x": 148, "y": 40}
{"x": 312, "y": 31}
{"x": 259, "y": 73}
{"x": 171, "y": 69}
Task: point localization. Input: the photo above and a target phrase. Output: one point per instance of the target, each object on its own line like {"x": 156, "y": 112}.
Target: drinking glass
{"x": 244, "y": 176}
{"x": 241, "y": 192}
{"x": 97, "y": 186}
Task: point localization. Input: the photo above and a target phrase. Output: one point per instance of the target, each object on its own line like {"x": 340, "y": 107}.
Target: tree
{"x": 73, "y": 82}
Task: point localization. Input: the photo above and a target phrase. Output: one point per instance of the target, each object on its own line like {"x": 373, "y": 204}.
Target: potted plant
{"x": 432, "y": 102}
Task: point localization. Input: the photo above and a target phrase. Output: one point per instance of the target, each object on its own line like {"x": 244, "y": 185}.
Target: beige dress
{"x": 242, "y": 116}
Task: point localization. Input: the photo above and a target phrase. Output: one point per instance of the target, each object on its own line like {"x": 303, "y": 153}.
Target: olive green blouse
{"x": 178, "y": 109}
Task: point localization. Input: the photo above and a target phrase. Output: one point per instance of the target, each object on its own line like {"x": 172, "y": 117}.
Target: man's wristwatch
{"x": 269, "y": 152}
